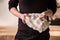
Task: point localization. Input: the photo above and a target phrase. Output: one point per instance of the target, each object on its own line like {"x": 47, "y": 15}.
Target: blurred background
{"x": 8, "y": 23}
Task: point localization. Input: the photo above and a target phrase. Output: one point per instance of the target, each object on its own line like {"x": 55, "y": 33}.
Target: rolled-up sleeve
{"x": 12, "y": 3}
{"x": 52, "y": 5}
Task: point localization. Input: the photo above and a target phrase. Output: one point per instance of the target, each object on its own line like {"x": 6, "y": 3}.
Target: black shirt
{"x": 33, "y": 6}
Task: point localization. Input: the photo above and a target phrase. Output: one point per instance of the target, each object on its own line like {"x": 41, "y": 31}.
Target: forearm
{"x": 15, "y": 12}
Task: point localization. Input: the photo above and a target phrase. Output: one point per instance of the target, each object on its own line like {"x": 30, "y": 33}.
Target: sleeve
{"x": 12, "y": 3}
{"x": 52, "y": 5}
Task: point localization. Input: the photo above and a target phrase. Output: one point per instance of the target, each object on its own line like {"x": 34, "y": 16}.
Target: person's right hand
{"x": 22, "y": 16}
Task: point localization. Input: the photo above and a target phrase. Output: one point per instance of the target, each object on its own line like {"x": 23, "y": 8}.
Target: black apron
{"x": 26, "y": 33}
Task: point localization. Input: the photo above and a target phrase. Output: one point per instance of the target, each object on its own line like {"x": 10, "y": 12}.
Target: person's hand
{"x": 46, "y": 13}
{"x": 22, "y": 16}
{"x": 42, "y": 15}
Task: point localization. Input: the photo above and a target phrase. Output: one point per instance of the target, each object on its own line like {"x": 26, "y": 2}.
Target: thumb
{"x": 23, "y": 20}
{"x": 25, "y": 14}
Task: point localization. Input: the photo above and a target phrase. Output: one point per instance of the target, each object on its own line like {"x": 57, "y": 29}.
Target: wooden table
{"x": 9, "y": 32}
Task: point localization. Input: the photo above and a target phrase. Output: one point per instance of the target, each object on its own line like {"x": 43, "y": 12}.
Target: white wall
{"x": 6, "y": 18}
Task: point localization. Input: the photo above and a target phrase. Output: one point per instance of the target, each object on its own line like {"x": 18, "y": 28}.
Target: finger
{"x": 42, "y": 15}
{"x": 25, "y": 14}
{"x": 23, "y": 20}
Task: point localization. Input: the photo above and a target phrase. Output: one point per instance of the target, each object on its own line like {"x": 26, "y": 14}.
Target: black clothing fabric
{"x": 26, "y": 33}
{"x": 32, "y": 6}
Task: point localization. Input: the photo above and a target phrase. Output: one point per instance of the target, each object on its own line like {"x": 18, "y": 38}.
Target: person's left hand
{"x": 46, "y": 13}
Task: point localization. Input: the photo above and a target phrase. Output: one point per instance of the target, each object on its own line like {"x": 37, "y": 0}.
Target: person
{"x": 31, "y": 6}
